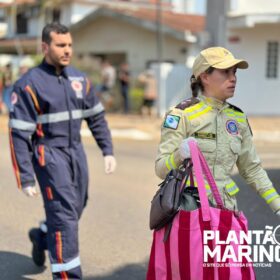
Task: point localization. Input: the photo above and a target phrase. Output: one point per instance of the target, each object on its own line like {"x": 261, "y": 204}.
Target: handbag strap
{"x": 210, "y": 179}
{"x": 200, "y": 182}
{"x": 187, "y": 172}
{"x": 199, "y": 166}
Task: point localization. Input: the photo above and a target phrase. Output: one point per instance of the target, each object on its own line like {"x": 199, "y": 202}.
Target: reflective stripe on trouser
{"x": 64, "y": 197}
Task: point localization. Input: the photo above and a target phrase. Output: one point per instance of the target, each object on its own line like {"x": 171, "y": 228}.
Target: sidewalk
{"x": 135, "y": 127}
{"x": 265, "y": 129}
{"x": 122, "y": 127}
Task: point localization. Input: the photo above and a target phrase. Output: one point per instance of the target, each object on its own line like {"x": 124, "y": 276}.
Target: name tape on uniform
{"x": 205, "y": 135}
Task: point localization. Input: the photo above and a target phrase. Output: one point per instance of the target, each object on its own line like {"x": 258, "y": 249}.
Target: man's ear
{"x": 45, "y": 48}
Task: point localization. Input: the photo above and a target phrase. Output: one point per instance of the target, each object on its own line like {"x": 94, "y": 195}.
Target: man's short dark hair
{"x": 53, "y": 27}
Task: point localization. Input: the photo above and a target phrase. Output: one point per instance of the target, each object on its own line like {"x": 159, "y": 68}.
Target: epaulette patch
{"x": 235, "y": 108}
{"x": 187, "y": 103}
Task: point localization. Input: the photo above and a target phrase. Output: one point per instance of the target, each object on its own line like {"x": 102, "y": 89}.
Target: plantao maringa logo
{"x": 255, "y": 247}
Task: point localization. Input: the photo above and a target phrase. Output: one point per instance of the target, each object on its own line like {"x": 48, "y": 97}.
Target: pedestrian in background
{"x": 220, "y": 128}
{"x": 150, "y": 92}
{"x": 49, "y": 103}
{"x": 108, "y": 80}
{"x": 2, "y": 106}
{"x": 124, "y": 79}
{"x": 7, "y": 85}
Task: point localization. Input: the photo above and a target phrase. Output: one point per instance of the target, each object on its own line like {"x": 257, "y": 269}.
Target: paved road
{"x": 114, "y": 235}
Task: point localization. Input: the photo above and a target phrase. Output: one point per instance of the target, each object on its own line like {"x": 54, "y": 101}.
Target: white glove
{"x": 110, "y": 164}
{"x": 30, "y": 191}
{"x": 184, "y": 149}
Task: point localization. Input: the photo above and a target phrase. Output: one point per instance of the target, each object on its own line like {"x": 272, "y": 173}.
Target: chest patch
{"x": 14, "y": 98}
{"x": 78, "y": 88}
{"x": 171, "y": 121}
{"x": 232, "y": 127}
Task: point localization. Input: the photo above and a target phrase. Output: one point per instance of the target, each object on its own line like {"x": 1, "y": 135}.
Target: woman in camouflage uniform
{"x": 221, "y": 130}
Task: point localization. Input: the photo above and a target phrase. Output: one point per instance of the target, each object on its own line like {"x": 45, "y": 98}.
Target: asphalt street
{"x": 114, "y": 235}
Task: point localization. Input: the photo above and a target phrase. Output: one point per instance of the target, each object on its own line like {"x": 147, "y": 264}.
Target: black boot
{"x": 37, "y": 238}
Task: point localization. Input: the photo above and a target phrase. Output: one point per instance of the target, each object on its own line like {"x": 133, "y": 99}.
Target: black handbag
{"x": 167, "y": 200}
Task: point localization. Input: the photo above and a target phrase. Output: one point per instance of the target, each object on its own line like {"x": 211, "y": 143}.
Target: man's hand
{"x": 30, "y": 191}
{"x": 110, "y": 164}
{"x": 184, "y": 149}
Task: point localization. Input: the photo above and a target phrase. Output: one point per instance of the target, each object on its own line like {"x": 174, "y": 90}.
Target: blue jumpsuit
{"x": 45, "y": 121}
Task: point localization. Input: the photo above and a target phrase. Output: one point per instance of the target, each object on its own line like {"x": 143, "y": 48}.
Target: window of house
{"x": 272, "y": 60}
{"x": 21, "y": 23}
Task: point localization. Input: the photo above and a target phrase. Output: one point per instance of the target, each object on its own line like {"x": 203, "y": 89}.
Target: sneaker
{"x": 38, "y": 254}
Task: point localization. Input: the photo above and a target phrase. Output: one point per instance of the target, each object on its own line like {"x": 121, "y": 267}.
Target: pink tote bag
{"x": 181, "y": 256}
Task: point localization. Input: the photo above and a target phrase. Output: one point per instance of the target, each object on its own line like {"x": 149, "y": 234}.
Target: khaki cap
{"x": 216, "y": 57}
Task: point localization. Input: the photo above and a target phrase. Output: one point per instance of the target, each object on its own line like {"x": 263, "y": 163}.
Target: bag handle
{"x": 210, "y": 179}
{"x": 199, "y": 166}
{"x": 187, "y": 165}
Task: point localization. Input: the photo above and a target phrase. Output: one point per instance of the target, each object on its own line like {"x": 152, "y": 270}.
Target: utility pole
{"x": 160, "y": 93}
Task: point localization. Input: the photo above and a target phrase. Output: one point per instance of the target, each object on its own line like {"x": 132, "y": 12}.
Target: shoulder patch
{"x": 235, "y": 108}
{"x": 171, "y": 121}
{"x": 187, "y": 103}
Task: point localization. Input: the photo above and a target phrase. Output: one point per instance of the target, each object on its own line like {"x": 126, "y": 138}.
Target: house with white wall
{"x": 250, "y": 30}
{"x": 131, "y": 35}
{"x": 125, "y": 32}
{"x": 24, "y": 20}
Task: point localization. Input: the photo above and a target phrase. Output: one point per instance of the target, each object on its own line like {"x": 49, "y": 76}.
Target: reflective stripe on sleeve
{"x": 170, "y": 163}
{"x": 171, "y": 159}
{"x": 270, "y": 195}
{"x": 59, "y": 267}
{"x": 78, "y": 114}
{"x": 167, "y": 164}
{"x": 98, "y": 108}
{"x": 22, "y": 125}
{"x": 232, "y": 189}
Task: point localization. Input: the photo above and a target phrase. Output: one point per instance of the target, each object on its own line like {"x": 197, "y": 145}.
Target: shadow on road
{"x": 14, "y": 266}
{"x": 128, "y": 272}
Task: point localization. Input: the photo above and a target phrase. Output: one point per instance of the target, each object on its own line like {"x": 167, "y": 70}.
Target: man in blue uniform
{"x": 48, "y": 105}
